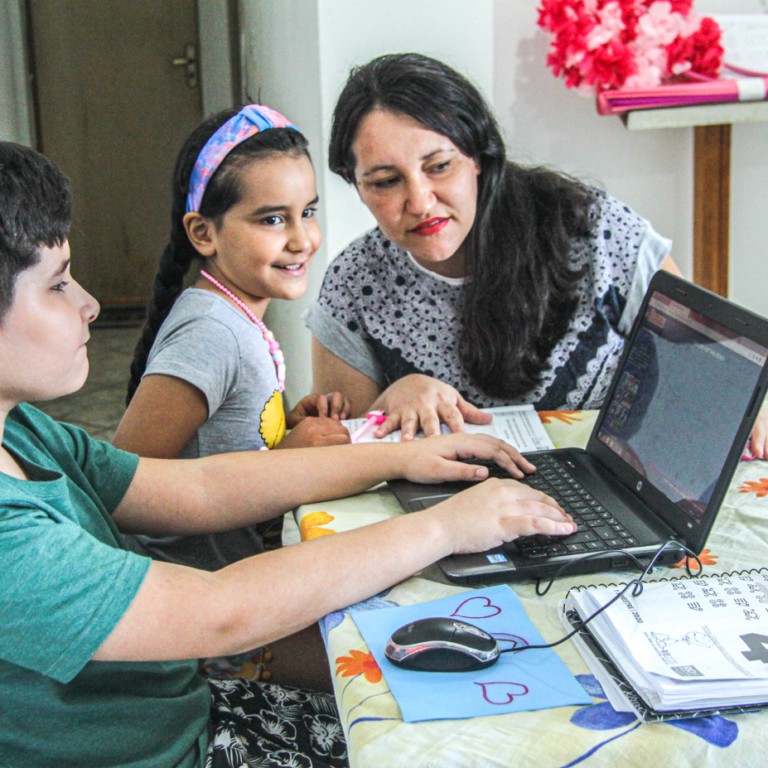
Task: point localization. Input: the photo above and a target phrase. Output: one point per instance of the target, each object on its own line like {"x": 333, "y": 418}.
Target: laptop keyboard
{"x": 597, "y": 528}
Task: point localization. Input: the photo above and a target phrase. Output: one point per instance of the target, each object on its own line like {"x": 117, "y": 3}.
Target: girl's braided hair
{"x": 224, "y": 190}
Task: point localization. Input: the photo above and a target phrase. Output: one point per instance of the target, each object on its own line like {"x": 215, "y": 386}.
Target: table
{"x": 556, "y": 738}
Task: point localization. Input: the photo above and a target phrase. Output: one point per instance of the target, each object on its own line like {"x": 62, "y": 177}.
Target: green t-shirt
{"x": 66, "y": 579}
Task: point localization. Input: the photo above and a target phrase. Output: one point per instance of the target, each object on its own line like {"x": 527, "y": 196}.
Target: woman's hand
{"x": 315, "y": 432}
{"x": 757, "y": 446}
{"x": 498, "y": 511}
{"x": 334, "y": 406}
{"x": 419, "y": 400}
{"x": 449, "y": 457}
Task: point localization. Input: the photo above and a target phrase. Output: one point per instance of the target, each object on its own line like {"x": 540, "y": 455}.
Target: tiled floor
{"x": 100, "y": 404}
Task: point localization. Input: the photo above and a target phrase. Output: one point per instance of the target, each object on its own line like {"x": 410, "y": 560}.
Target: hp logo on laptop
{"x": 639, "y": 485}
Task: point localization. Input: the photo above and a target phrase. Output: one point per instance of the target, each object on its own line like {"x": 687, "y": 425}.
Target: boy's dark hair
{"x": 224, "y": 190}
{"x": 35, "y": 213}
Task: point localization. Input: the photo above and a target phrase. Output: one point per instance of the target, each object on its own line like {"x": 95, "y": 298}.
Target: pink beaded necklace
{"x": 274, "y": 347}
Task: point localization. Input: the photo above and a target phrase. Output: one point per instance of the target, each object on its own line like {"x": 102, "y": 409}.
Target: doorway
{"x": 116, "y": 90}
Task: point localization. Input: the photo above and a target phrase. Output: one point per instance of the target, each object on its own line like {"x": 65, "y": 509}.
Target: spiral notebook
{"x": 683, "y": 648}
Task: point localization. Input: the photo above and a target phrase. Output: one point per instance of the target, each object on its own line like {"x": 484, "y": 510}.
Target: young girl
{"x": 244, "y": 205}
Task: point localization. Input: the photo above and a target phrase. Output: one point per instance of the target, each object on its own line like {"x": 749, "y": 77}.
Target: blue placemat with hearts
{"x": 518, "y": 682}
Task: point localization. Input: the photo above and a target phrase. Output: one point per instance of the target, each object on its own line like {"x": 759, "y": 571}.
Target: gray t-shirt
{"x": 216, "y": 348}
{"x": 387, "y": 316}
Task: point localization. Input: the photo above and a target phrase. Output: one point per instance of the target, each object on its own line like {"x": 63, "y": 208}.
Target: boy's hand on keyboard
{"x": 498, "y": 511}
{"x": 450, "y": 457}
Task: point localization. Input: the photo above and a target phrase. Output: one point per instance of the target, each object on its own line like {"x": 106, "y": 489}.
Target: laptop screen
{"x": 680, "y": 400}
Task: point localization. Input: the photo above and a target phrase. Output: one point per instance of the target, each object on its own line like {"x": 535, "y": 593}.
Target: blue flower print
{"x": 602, "y": 716}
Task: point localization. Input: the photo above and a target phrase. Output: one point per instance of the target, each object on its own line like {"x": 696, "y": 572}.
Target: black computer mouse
{"x": 442, "y": 645}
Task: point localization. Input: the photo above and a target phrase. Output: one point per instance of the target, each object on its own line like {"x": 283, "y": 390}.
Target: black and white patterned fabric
{"x": 387, "y": 316}
{"x": 259, "y": 725}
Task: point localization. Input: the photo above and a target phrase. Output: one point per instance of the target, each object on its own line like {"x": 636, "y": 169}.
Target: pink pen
{"x": 373, "y": 418}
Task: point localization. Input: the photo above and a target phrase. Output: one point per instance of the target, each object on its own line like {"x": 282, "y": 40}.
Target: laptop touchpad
{"x": 419, "y": 504}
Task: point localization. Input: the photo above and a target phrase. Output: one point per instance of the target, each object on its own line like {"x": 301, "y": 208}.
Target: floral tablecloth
{"x": 594, "y": 735}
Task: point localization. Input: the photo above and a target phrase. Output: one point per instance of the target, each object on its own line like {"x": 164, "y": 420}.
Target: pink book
{"x": 683, "y": 94}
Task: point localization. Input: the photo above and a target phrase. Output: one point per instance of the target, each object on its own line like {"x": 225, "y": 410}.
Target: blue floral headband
{"x": 248, "y": 121}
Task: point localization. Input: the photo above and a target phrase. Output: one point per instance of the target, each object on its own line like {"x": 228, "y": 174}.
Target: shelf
{"x": 703, "y": 114}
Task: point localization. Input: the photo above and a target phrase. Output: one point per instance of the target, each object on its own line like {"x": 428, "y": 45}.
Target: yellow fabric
{"x": 272, "y": 426}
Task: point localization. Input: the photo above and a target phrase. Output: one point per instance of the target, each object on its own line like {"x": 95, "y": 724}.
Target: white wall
{"x": 298, "y": 55}
{"x": 282, "y": 56}
{"x": 14, "y": 106}
{"x": 352, "y": 32}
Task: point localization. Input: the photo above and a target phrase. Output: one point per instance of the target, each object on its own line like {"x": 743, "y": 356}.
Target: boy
{"x": 98, "y": 648}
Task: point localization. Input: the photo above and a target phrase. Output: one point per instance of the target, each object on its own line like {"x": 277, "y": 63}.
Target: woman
{"x": 486, "y": 283}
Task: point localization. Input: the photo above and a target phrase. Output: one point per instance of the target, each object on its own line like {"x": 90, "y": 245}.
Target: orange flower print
{"x": 567, "y": 417}
{"x": 358, "y": 663}
{"x": 760, "y": 488}
{"x": 309, "y": 526}
{"x": 706, "y": 557}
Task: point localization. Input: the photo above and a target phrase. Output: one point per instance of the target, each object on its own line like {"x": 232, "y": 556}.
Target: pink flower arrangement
{"x": 605, "y": 44}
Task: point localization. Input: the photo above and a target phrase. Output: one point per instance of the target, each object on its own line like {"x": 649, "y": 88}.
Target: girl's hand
{"x": 449, "y": 457}
{"x": 757, "y": 446}
{"x": 419, "y": 400}
{"x": 498, "y": 511}
{"x": 334, "y": 406}
{"x": 316, "y": 431}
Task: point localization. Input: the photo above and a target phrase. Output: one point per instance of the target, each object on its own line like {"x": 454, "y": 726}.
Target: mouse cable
{"x": 636, "y": 584}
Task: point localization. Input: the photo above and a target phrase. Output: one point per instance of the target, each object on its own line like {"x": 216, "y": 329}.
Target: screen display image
{"x": 682, "y": 394}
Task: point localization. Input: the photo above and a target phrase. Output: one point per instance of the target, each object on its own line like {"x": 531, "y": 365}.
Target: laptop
{"x": 663, "y": 450}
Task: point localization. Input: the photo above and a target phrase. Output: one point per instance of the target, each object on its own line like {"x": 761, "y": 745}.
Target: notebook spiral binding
{"x": 642, "y": 709}
{"x": 724, "y": 575}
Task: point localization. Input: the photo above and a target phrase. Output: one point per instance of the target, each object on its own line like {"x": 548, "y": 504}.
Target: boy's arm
{"x": 181, "y": 613}
{"x": 228, "y": 491}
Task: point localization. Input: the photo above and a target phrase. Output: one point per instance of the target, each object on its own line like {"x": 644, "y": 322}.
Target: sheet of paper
{"x": 536, "y": 679}
{"x": 745, "y": 40}
{"x": 519, "y": 425}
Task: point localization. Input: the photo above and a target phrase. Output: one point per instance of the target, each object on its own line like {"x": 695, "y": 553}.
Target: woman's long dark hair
{"x": 224, "y": 190}
{"x": 521, "y": 288}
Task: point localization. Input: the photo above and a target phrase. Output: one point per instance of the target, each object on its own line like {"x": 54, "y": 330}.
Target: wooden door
{"x": 113, "y": 110}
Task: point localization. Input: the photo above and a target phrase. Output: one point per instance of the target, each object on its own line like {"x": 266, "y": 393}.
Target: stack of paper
{"x": 518, "y": 425}
{"x": 682, "y": 645}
